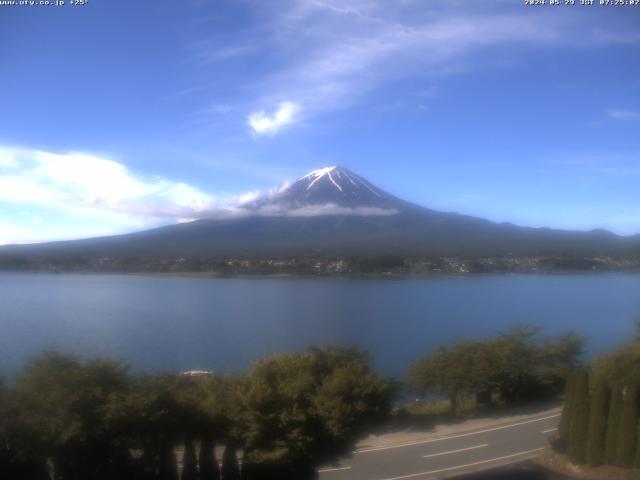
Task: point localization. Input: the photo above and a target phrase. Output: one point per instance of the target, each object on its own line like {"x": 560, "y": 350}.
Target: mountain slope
{"x": 332, "y": 211}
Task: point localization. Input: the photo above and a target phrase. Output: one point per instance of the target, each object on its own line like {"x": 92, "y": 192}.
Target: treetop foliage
{"x": 516, "y": 365}
{"x": 94, "y": 419}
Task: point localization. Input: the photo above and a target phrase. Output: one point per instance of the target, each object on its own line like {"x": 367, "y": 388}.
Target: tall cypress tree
{"x": 209, "y": 469}
{"x": 579, "y": 423}
{"x": 189, "y": 462}
{"x": 598, "y": 421}
{"x": 628, "y": 426}
{"x": 613, "y": 424}
{"x": 567, "y": 408}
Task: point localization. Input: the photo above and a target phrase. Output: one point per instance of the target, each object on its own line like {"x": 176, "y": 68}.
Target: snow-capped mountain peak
{"x": 319, "y": 172}
{"x": 336, "y": 186}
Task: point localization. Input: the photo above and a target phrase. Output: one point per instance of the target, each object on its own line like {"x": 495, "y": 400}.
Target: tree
{"x": 628, "y": 426}
{"x": 63, "y": 403}
{"x": 515, "y": 364}
{"x": 598, "y": 421}
{"x": 152, "y": 418}
{"x": 579, "y": 423}
{"x": 467, "y": 367}
{"x": 519, "y": 361}
{"x": 614, "y": 423}
{"x": 309, "y": 408}
{"x": 621, "y": 365}
{"x": 558, "y": 356}
{"x": 20, "y": 454}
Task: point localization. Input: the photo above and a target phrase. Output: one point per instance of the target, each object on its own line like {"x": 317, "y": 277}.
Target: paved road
{"x": 449, "y": 456}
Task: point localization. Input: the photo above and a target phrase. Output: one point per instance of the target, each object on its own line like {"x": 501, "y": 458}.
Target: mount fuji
{"x": 334, "y": 212}
{"x": 336, "y": 186}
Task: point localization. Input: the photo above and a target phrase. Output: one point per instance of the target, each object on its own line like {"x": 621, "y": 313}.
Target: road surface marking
{"x": 456, "y": 451}
{"x": 487, "y": 430}
{"x": 448, "y": 469}
{"x": 337, "y": 469}
{"x": 550, "y": 430}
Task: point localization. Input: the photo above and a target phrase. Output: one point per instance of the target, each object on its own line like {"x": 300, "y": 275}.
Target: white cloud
{"x": 623, "y": 114}
{"x": 265, "y": 124}
{"x": 79, "y": 181}
{"x": 8, "y": 158}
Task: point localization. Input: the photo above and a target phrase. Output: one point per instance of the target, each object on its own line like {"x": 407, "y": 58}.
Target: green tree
{"x": 614, "y": 423}
{"x": 151, "y": 417}
{"x": 20, "y": 450}
{"x": 63, "y": 403}
{"x": 306, "y": 409}
{"x": 516, "y": 364}
{"x": 628, "y": 426}
{"x": 579, "y": 423}
{"x": 557, "y": 357}
{"x": 598, "y": 421}
{"x": 466, "y": 368}
{"x": 518, "y": 358}
{"x": 621, "y": 365}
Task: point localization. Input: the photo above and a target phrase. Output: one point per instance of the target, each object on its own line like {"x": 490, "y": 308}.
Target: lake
{"x": 181, "y": 323}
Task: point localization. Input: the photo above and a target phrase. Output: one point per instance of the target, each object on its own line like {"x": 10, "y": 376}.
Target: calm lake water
{"x": 174, "y": 323}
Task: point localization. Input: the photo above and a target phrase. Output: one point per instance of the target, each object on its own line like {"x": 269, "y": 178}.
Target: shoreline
{"x": 345, "y": 276}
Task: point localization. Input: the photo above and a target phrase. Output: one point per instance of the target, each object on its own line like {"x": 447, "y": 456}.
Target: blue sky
{"x": 118, "y": 116}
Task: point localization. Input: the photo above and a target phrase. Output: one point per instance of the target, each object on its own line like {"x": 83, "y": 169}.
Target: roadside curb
{"x": 540, "y": 416}
{"x": 560, "y": 464}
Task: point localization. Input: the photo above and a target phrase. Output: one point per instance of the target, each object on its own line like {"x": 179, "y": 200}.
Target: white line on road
{"x": 456, "y": 451}
{"x": 550, "y": 430}
{"x": 487, "y": 430}
{"x": 448, "y": 469}
{"x": 337, "y": 469}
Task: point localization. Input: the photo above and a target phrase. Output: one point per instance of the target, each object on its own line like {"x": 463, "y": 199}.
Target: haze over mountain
{"x": 333, "y": 211}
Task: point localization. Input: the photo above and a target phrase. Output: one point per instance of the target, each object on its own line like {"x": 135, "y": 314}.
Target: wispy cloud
{"x": 326, "y": 55}
{"x": 623, "y": 114}
{"x": 264, "y": 124}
